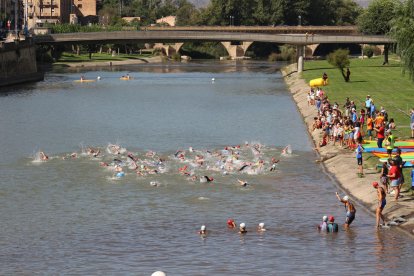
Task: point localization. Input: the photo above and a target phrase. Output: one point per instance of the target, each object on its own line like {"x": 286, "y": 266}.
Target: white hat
{"x": 325, "y": 218}
{"x": 203, "y": 228}
{"x": 353, "y": 109}
{"x": 242, "y": 225}
{"x": 345, "y": 198}
{"x": 261, "y": 225}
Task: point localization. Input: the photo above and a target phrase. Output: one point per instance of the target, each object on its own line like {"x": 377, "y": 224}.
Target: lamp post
{"x": 231, "y": 20}
{"x": 299, "y": 20}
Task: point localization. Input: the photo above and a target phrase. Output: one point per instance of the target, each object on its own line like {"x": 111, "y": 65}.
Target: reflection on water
{"x": 67, "y": 216}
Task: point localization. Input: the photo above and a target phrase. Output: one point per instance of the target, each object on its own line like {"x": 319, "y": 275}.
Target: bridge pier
{"x": 169, "y": 49}
{"x": 300, "y": 52}
{"x": 237, "y": 51}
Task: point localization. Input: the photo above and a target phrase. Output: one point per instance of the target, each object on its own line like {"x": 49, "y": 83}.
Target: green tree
{"x": 403, "y": 32}
{"x": 340, "y": 60}
{"x": 376, "y": 19}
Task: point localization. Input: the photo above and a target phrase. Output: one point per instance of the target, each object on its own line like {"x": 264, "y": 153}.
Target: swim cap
{"x": 203, "y": 228}
{"x": 375, "y": 184}
{"x": 242, "y": 225}
{"x": 345, "y": 198}
{"x": 230, "y": 222}
{"x": 261, "y": 225}
{"x": 158, "y": 273}
{"x": 331, "y": 219}
{"x": 325, "y": 218}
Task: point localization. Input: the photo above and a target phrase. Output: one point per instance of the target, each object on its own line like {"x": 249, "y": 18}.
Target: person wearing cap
{"x": 261, "y": 227}
{"x": 349, "y": 208}
{"x": 242, "y": 228}
{"x": 203, "y": 230}
{"x": 370, "y": 126}
{"x": 389, "y": 143}
{"x": 323, "y": 227}
{"x": 332, "y": 226}
{"x": 381, "y": 203}
{"x": 231, "y": 223}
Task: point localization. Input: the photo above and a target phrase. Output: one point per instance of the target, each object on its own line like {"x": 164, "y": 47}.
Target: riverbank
{"x": 89, "y": 64}
{"x": 341, "y": 165}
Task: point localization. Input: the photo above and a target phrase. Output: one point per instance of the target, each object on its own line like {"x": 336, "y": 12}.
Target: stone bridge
{"x": 235, "y": 42}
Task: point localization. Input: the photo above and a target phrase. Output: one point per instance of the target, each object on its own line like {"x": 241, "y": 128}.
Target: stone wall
{"x": 17, "y": 62}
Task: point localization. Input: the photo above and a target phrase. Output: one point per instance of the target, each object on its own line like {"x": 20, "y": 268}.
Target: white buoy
{"x": 158, "y": 273}
{"x": 213, "y": 79}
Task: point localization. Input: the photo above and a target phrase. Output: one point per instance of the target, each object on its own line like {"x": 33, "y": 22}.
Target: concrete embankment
{"x": 341, "y": 165}
{"x": 18, "y": 63}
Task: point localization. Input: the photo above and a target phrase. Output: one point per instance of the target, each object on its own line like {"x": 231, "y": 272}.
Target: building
{"x": 169, "y": 20}
{"x": 38, "y": 12}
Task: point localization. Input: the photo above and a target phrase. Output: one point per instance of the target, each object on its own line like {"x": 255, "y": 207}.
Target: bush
{"x": 368, "y": 51}
{"x": 176, "y": 57}
{"x": 273, "y": 57}
{"x": 287, "y": 52}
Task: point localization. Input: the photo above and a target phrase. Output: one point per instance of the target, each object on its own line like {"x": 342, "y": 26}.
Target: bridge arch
{"x": 324, "y": 49}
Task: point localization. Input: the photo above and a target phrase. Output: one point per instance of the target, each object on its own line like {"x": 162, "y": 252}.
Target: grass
{"x": 386, "y": 85}
{"x": 96, "y": 57}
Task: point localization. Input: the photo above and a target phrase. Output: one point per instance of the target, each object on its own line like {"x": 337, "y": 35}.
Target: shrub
{"x": 340, "y": 60}
{"x": 273, "y": 57}
{"x": 368, "y": 51}
{"x": 287, "y": 52}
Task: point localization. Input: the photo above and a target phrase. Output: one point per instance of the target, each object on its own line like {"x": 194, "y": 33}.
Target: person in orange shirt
{"x": 370, "y": 126}
{"x": 379, "y": 119}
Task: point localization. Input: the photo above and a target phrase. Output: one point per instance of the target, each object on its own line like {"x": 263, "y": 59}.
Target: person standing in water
{"x": 381, "y": 203}
{"x": 332, "y": 226}
{"x": 350, "y": 210}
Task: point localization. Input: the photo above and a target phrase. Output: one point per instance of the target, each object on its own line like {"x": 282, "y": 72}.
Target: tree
{"x": 376, "y": 19}
{"x": 340, "y": 60}
{"x": 403, "y": 32}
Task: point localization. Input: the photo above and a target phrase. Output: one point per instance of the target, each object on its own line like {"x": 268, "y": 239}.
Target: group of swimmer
{"x": 196, "y": 165}
{"x": 126, "y": 77}
{"x": 231, "y": 224}
{"x": 328, "y": 223}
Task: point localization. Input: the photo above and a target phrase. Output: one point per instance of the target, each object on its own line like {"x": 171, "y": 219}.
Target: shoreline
{"x": 340, "y": 164}
{"x": 86, "y": 64}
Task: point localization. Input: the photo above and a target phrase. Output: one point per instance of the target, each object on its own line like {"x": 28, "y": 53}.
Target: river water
{"x": 72, "y": 216}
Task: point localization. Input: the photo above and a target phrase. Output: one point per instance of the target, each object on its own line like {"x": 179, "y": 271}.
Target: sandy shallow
{"x": 111, "y": 63}
{"x": 340, "y": 164}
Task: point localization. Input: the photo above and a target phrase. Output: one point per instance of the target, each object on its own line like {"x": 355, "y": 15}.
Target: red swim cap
{"x": 375, "y": 184}
{"x": 331, "y": 219}
{"x": 230, "y": 222}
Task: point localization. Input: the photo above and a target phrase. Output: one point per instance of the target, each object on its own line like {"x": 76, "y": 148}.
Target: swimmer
{"x": 128, "y": 77}
{"x": 103, "y": 164}
{"x": 132, "y": 157}
{"x": 43, "y": 156}
{"x": 261, "y": 227}
{"x": 203, "y": 230}
{"x": 242, "y": 183}
{"x": 349, "y": 208}
{"x": 231, "y": 223}
{"x": 332, "y": 226}
{"x": 242, "y": 228}
{"x": 98, "y": 78}
{"x": 74, "y": 155}
{"x": 324, "y": 225}
{"x": 208, "y": 179}
{"x": 82, "y": 78}
{"x": 381, "y": 203}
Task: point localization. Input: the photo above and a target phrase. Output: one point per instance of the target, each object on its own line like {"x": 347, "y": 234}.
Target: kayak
{"x": 125, "y": 78}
